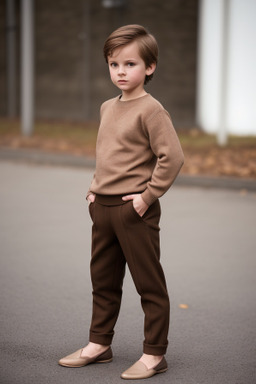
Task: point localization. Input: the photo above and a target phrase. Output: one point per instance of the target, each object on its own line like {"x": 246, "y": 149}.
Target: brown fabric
{"x": 120, "y": 236}
{"x": 137, "y": 149}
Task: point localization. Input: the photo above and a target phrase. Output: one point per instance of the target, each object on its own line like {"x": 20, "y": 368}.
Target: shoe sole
{"x": 84, "y": 365}
{"x": 162, "y": 370}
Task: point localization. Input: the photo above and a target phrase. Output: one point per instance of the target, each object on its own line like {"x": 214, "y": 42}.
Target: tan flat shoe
{"x": 75, "y": 360}
{"x": 140, "y": 371}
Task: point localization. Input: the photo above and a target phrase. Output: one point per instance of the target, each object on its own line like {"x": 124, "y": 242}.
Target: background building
{"x": 206, "y": 75}
{"x": 71, "y": 76}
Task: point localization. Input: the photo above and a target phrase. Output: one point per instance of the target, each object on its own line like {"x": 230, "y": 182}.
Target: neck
{"x": 126, "y": 97}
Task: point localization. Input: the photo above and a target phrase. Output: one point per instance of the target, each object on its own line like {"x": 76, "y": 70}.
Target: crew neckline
{"x": 131, "y": 100}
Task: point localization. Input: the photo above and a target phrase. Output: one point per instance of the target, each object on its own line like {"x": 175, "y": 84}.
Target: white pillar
{"x": 226, "y": 87}
{"x": 241, "y": 91}
{"x": 212, "y": 54}
{"x": 222, "y": 129}
{"x": 27, "y": 67}
{"x": 11, "y": 58}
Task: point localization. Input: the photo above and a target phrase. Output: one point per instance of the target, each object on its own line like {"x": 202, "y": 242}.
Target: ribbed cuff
{"x": 148, "y": 197}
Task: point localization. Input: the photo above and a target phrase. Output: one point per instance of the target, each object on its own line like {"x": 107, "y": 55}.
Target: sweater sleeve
{"x": 89, "y": 192}
{"x": 166, "y": 147}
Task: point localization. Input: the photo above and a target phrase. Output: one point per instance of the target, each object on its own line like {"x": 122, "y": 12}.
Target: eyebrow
{"x": 114, "y": 60}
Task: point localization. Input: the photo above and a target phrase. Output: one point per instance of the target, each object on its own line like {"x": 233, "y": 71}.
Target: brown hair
{"x": 148, "y": 48}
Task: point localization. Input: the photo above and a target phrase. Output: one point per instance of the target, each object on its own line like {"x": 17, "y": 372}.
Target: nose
{"x": 121, "y": 70}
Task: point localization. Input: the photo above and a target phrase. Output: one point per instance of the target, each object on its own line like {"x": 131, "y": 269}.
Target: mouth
{"x": 122, "y": 81}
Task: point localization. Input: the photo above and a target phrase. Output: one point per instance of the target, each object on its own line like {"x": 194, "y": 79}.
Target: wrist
{"x": 148, "y": 198}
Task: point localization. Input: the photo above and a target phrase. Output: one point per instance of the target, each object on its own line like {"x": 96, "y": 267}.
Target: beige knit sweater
{"x": 137, "y": 149}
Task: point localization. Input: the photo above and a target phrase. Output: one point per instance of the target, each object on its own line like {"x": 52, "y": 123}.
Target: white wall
{"x": 226, "y": 92}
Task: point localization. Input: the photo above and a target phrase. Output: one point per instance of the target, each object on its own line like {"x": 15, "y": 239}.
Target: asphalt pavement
{"x": 208, "y": 241}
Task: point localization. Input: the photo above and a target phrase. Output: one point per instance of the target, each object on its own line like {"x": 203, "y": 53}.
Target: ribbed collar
{"x": 132, "y": 101}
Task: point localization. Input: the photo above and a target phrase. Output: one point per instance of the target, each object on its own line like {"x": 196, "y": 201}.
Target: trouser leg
{"x": 107, "y": 273}
{"x": 139, "y": 239}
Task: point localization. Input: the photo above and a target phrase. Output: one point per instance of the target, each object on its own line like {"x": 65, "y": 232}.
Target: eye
{"x": 130, "y": 64}
{"x": 113, "y": 65}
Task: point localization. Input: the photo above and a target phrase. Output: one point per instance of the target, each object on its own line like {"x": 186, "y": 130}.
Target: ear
{"x": 150, "y": 69}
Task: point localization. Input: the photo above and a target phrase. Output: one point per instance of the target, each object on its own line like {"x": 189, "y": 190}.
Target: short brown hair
{"x": 148, "y": 48}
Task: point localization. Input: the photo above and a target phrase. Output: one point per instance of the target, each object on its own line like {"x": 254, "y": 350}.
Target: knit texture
{"x": 137, "y": 149}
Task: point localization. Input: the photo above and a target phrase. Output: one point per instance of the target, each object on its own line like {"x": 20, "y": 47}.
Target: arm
{"x": 90, "y": 196}
{"x": 166, "y": 147}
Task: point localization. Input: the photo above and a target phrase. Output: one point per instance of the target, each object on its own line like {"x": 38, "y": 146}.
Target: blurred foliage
{"x": 202, "y": 154}
{"x": 197, "y": 138}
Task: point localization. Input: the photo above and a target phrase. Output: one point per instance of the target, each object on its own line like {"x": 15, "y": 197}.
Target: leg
{"x": 139, "y": 238}
{"x": 107, "y": 273}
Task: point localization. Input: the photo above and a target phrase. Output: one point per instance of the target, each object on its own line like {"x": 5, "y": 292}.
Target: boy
{"x": 138, "y": 156}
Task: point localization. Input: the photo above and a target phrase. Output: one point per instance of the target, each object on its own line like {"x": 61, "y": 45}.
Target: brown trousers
{"x": 120, "y": 236}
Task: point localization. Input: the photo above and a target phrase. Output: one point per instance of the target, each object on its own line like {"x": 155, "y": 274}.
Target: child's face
{"x": 128, "y": 70}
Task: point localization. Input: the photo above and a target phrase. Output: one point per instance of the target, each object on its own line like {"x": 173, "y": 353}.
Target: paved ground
{"x": 209, "y": 255}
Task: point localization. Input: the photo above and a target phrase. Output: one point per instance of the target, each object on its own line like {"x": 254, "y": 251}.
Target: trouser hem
{"x": 155, "y": 350}
{"x": 101, "y": 339}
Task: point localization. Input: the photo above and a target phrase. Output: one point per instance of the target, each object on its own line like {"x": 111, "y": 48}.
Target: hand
{"x": 91, "y": 198}
{"x": 138, "y": 203}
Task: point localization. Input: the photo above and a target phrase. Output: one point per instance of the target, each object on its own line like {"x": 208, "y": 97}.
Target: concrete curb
{"x": 217, "y": 182}
{"x": 67, "y": 160}
{"x": 45, "y": 158}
